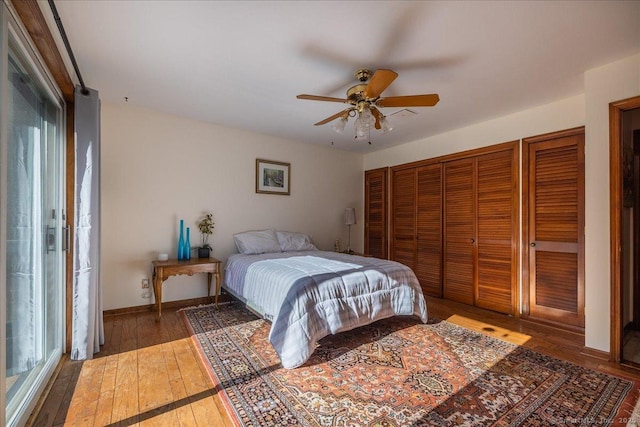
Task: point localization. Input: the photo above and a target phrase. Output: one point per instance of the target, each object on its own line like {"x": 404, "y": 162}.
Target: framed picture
{"x": 273, "y": 177}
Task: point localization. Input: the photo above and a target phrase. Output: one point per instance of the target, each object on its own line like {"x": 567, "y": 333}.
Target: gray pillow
{"x": 257, "y": 242}
{"x": 291, "y": 241}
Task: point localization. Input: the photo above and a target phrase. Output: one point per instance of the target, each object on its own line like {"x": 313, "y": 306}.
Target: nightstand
{"x": 162, "y": 270}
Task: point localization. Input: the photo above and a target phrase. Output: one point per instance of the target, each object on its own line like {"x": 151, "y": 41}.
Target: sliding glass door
{"x": 33, "y": 217}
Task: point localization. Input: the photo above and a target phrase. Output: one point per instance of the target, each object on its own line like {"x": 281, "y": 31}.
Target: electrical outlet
{"x": 146, "y": 294}
{"x": 145, "y": 283}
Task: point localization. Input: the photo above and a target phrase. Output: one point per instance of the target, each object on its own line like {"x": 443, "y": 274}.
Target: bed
{"x": 307, "y": 294}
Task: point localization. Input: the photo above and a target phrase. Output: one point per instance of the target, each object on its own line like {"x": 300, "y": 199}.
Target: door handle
{"x": 473, "y": 240}
{"x": 66, "y": 242}
{"x": 51, "y": 239}
{"x": 533, "y": 244}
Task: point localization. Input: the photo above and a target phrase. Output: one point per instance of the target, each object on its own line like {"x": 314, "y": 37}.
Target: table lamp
{"x": 349, "y": 220}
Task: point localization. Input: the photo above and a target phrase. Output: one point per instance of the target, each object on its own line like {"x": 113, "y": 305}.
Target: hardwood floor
{"x": 150, "y": 373}
{"x": 147, "y": 373}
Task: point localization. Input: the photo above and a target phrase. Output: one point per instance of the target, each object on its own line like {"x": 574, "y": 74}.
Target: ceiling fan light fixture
{"x": 365, "y": 100}
{"x": 361, "y": 129}
{"x": 385, "y": 126}
{"x": 366, "y": 116}
{"x": 339, "y": 125}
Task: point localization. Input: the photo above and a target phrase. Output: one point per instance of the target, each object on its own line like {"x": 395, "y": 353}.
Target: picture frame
{"x": 273, "y": 177}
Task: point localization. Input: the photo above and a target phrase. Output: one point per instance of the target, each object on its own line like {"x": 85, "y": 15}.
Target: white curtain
{"x": 23, "y": 348}
{"x": 88, "y": 330}
{"x": 24, "y": 242}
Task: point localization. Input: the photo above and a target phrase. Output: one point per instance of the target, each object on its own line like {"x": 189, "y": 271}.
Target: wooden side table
{"x": 162, "y": 270}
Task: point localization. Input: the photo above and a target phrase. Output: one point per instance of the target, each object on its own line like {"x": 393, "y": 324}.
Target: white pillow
{"x": 290, "y": 241}
{"x": 257, "y": 242}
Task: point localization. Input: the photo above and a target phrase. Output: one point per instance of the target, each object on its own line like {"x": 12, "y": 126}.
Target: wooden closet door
{"x": 375, "y": 213}
{"x": 497, "y": 230}
{"x": 403, "y": 217}
{"x": 459, "y": 230}
{"x": 555, "y": 235}
{"x": 428, "y": 267}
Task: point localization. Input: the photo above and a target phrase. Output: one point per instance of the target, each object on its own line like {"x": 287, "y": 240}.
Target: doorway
{"x": 631, "y": 236}
{"x": 625, "y": 230}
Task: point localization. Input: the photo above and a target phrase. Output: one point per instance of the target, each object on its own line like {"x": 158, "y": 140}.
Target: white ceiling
{"x": 241, "y": 64}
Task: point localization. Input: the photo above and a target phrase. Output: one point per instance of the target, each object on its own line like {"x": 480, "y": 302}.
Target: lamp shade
{"x": 340, "y": 124}
{"x": 350, "y": 216}
{"x": 361, "y": 129}
{"x": 385, "y": 126}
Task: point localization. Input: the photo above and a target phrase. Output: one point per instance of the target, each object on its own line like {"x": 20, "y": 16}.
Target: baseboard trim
{"x": 598, "y": 354}
{"x": 557, "y": 325}
{"x": 165, "y": 305}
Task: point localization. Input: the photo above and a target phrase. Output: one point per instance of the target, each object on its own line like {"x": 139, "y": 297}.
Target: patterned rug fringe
{"x": 634, "y": 420}
{"x": 211, "y": 304}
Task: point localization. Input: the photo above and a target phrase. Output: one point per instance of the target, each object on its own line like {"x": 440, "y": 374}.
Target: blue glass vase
{"x": 181, "y": 241}
{"x": 187, "y": 246}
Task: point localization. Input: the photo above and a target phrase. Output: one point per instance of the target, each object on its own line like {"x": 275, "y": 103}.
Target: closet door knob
{"x": 533, "y": 244}
{"x": 473, "y": 240}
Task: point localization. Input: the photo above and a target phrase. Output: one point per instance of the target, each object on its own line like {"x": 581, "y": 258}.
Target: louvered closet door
{"x": 403, "y": 217}
{"x": 497, "y": 213}
{"x": 459, "y": 230}
{"x": 428, "y": 266}
{"x": 375, "y": 207}
{"x": 556, "y": 230}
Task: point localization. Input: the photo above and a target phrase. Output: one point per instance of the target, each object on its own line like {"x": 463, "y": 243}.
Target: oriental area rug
{"x": 400, "y": 372}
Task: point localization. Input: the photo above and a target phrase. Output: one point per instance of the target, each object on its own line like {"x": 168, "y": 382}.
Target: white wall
{"x": 158, "y": 168}
{"x": 563, "y": 114}
{"x": 613, "y": 82}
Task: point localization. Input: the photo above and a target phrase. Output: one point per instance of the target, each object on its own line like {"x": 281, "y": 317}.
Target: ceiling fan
{"x": 365, "y": 100}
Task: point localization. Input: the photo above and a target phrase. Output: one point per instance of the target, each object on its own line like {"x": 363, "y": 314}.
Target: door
{"x": 497, "y": 230}
{"x": 403, "y": 219}
{"x": 416, "y": 210}
{"x": 33, "y": 220}
{"x": 375, "y": 213}
{"x": 454, "y": 221}
{"x": 459, "y": 230}
{"x": 554, "y": 235}
{"x": 428, "y": 266}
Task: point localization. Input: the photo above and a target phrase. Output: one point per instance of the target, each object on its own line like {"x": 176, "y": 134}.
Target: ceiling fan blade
{"x": 380, "y": 80}
{"x": 377, "y": 116}
{"x": 321, "y": 98}
{"x": 335, "y": 116}
{"x": 409, "y": 101}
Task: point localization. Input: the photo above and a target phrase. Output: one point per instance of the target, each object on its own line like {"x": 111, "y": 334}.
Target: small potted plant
{"x": 205, "y": 225}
